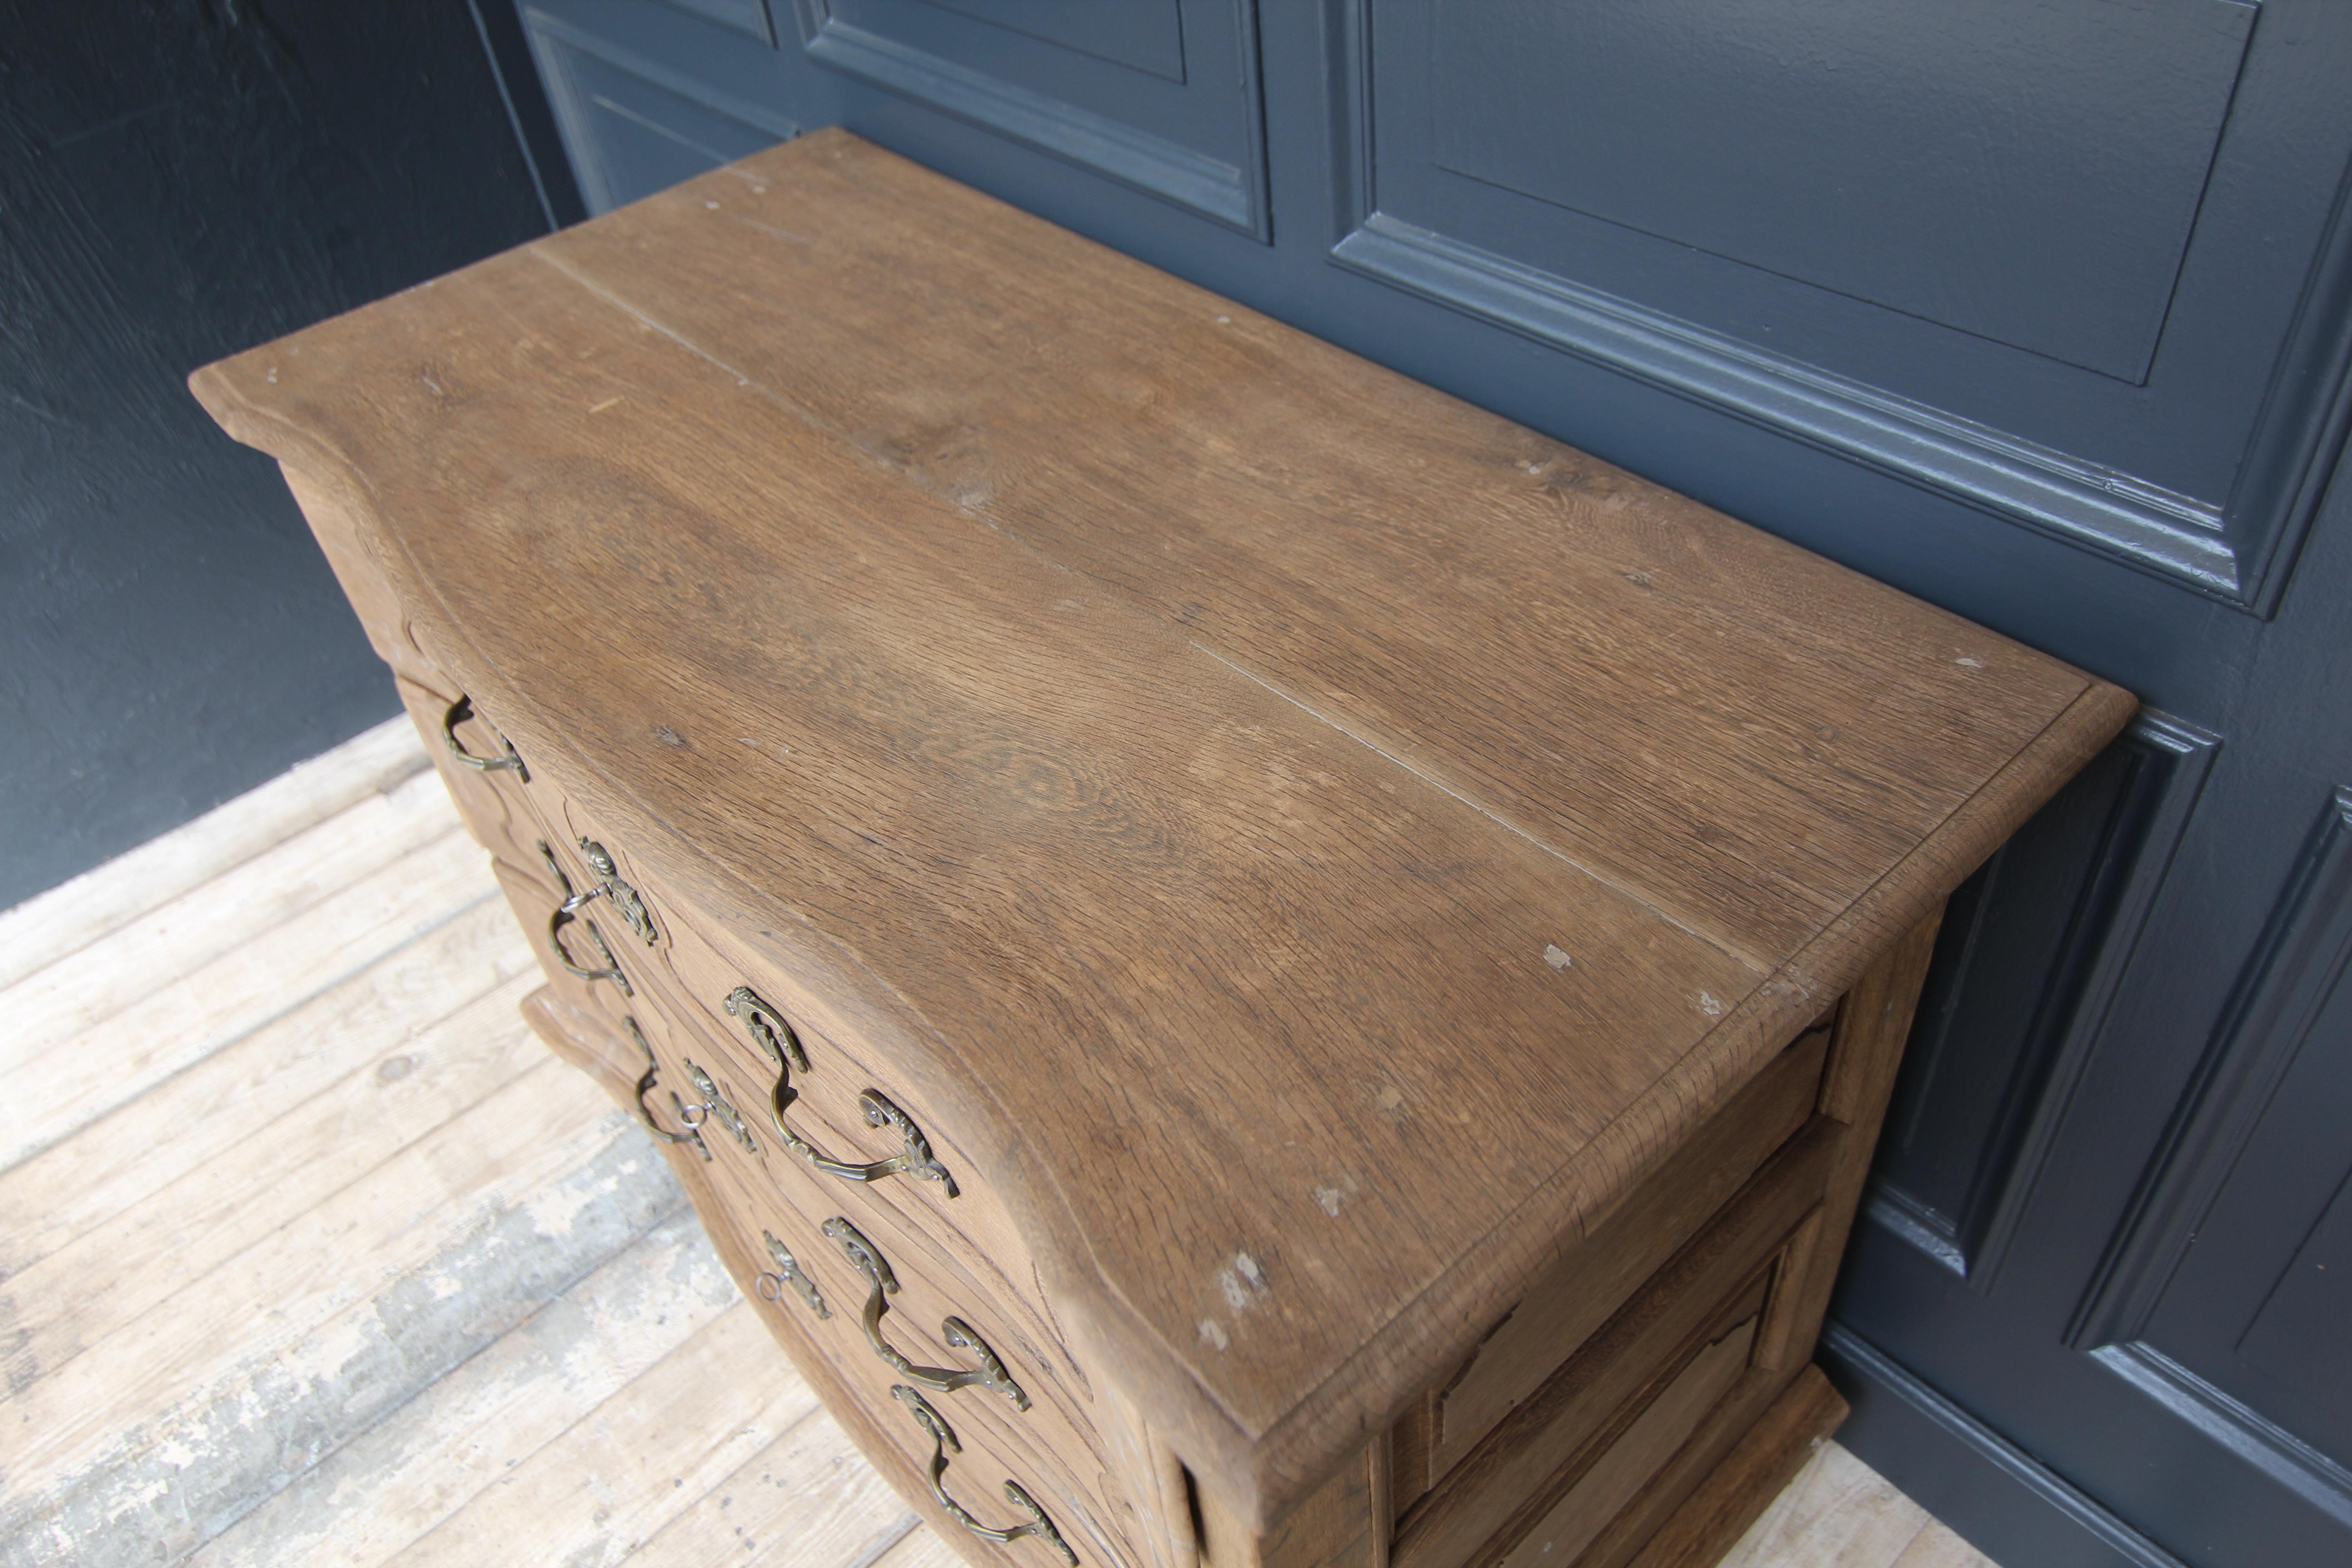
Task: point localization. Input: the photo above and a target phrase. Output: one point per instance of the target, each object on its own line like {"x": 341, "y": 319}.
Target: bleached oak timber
{"x": 365, "y": 1497}
{"x": 84, "y": 1179}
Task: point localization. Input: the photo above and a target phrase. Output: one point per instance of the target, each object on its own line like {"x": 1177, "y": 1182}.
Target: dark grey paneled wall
{"x": 180, "y": 179}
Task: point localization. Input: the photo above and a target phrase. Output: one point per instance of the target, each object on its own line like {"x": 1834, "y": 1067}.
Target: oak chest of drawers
{"x": 1253, "y": 965}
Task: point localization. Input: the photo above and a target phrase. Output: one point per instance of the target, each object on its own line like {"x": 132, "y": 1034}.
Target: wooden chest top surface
{"x": 1326, "y": 839}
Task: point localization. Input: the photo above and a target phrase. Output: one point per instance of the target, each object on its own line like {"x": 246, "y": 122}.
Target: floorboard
{"x": 310, "y": 1254}
{"x": 76, "y": 914}
{"x": 80, "y": 1182}
{"x": 486, "y": 1420}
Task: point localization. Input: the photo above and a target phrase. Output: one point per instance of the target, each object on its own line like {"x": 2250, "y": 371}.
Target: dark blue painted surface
{"x": 1897, "y": 155}
{"x": 2040, "y": 312}
{"x": 179, "y": 181}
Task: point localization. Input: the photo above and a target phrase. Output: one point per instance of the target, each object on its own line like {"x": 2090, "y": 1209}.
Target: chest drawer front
{"x": 536, "y": 907}
{"x": 710, "y": 1057}
{"x": 879, "y": 1279}
{"x": 1519, "y": 1472}
{"x": 832, "y": 1109}
{"x": 1015, "y": 1479}
{"x": 1625, "y": 1248}
{"x": 849, "y": 1122}
{"x": 1647, "y": 1442}
{"x": 504, "y": 805}
{"x": 852, "y": 1285}
{"x": 936, "y": 1270}
{"x": 614, "y": 942}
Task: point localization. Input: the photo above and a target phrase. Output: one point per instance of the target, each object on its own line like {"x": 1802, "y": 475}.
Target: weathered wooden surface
{"x": 1091, "y": 684}
{"x": 508, "y": 1410}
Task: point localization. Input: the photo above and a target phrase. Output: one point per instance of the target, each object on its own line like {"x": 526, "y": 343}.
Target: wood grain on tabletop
{"x": 1196, "y": 744}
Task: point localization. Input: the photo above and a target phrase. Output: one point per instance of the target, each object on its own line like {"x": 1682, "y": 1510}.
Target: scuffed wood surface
{"x": 305, "y": 1304}
{"x": 74, "y": 914}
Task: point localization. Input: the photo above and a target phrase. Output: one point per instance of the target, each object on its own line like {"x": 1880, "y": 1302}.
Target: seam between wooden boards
{"x": 1128, "y": 599}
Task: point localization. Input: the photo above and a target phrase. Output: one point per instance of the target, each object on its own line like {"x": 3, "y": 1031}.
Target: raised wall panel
{"x": 1991, "y": 249}
{"x": 748, "y": 16}
{"x": 2216, "y": 1299}
{"x": 639, "y": 117}
{"x": 1898, "y": 152}
{"x": 2301, "y": 1329}
{"x": 1160, "y": 95}
{"x": 1948, "y": 1461}
{"x": 2030, "y": 958}
{"x": 1148, "y": 35}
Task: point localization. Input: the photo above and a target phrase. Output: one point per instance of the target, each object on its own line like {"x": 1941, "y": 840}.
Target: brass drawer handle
{"x": 626, "y": 900}
{"x": 646, "y": 1082}
{"x": 788, "y": 1271}
{"x": 767, "y": 1027}
{"x": 463, "y": 710}
{"x": 868, "y": 1260}
{"x": 568, "y": 912}
{"x": 944, "y": 1443}
{"x": 713, "y": 1103}
{"x": 609, "y": 970}
{"x": 914, "y": 1150}
{"x": 631, "y": 907}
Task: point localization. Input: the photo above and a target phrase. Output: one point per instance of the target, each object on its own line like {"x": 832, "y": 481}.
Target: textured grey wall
{"x": 180, "y": 179}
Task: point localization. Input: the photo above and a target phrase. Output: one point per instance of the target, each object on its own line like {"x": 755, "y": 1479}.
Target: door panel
{"x": 1148, "y": 35}
{"x": 2041, "y": 310}
{"x": 2298, "y": 1337}
{"x": 2027, "y": 966}
{"x": 2221, "y": 1283}
{"x": 744, "y": 16}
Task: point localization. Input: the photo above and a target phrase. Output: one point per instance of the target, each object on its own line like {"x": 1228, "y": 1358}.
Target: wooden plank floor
{"x": 311, "y": 1254}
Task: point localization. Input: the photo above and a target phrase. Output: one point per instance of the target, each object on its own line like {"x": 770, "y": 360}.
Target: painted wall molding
{"x": 2296, "y": 965}
{"x": 2172, "y": 759}
{"x": 2046, "y": 1506}
{"x": 1234, "y": 194}
{"x": 2244, "y": 1431}
{"x": 2240, "y": 551}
